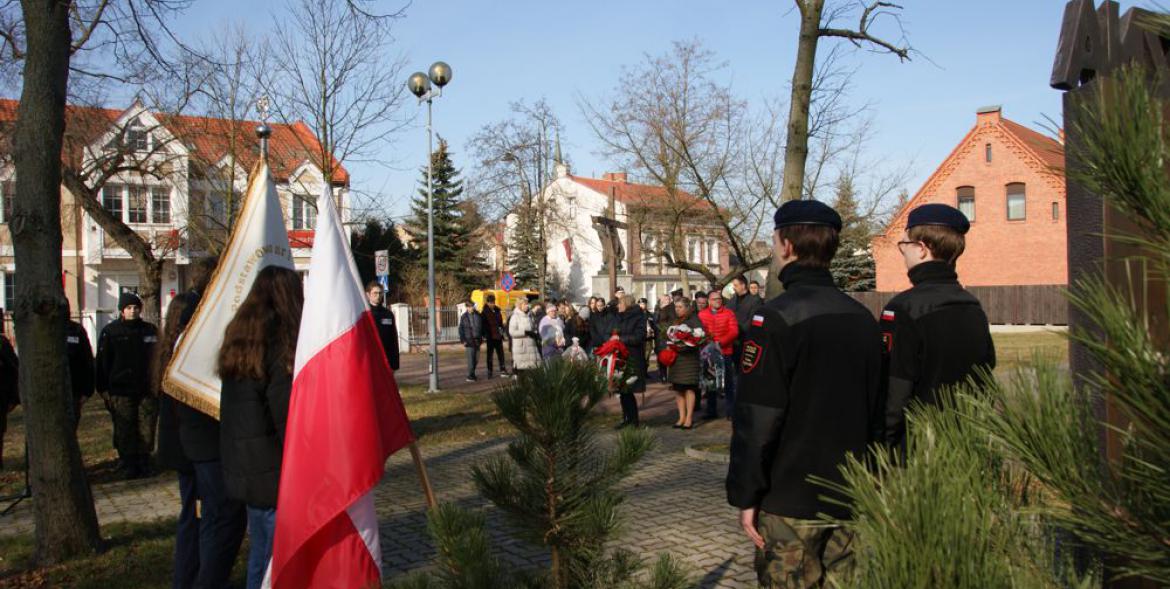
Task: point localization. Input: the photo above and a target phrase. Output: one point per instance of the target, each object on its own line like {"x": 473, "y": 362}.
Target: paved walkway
{"x": 674, "y": 503}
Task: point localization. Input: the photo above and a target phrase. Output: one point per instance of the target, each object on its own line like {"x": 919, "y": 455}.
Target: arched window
{"x": 966, "y": 201}
{"x": 1016, "y": 201}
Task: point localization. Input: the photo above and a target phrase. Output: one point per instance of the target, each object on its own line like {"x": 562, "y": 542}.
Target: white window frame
{"x": 304, "y": 211}
{"x": 148, "y": 202}
{"x": 1023, "y": 195}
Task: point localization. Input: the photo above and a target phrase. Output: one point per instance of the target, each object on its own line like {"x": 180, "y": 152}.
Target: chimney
{"x": 614, "y": 177}
{"x": 988, "y": 115}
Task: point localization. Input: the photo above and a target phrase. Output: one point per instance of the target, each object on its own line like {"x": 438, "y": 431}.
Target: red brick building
{"x": 1008, "y": 179}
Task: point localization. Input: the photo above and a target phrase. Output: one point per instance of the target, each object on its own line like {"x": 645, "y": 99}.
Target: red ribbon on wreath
{"x": 611, "y": 356}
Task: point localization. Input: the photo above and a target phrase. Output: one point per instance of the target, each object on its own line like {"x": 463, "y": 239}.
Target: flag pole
{"x": 423, "y": 479}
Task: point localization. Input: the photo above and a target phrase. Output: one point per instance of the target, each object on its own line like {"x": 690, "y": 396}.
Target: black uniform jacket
{"x": 185, "y": 434}
{"x": 253, "y": 414}
{"x": 125, "y": 351}
{"x": 809, "y": 394}
{"x": 744, "y": 307}
{"x": 384, "y": 319}
{"x": 934, "y": 335}
{"x": 80, "y": 356}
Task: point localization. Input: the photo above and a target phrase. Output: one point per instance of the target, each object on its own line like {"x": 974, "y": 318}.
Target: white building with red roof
{"x": 179, "y": 204}
{"x": 652, "y": 215}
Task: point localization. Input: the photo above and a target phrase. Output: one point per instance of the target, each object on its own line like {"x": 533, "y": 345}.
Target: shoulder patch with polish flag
{"x": 887, "y": 315}
{"x": 757, "y": 320}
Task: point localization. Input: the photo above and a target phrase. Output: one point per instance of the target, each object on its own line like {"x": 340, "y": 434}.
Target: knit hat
{"x": 128, "y": 298}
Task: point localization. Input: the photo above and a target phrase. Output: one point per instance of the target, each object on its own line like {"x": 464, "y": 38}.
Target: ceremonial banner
{"x": 345, "y": 419}
{"x": 259, "y": 239}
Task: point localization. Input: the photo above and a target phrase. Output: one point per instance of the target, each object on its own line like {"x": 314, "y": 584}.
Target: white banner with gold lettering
{"x": 259, "y": 239}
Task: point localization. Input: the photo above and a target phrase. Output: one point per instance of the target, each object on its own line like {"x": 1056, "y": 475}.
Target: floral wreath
{"x": 680, "y": 337}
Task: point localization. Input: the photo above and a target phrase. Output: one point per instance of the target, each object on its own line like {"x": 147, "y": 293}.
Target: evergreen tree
{"x": 456, "y": 251}
{"x": 558, "y": 487}
{"x": 853, "y": 268}
{"x": 380, "y": 234}
{"x": 524, "y": 252}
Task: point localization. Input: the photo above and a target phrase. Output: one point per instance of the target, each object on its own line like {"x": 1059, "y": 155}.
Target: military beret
{"x": 939, "y": 214}
{"x": 807, "y": 212}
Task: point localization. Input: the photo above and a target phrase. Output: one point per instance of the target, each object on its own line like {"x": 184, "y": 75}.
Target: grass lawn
{"x": 1017, "y": 349}
{"x": 451, "y": 416}
{"x": 136, "y": 555}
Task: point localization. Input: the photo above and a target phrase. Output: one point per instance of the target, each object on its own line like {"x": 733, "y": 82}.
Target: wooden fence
{"x": 1036, "y": 304}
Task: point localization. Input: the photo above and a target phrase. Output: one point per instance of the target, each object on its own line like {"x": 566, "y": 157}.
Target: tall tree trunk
{"x": 63, "y": 511}
{"x": 150, "y": 289}
{"x": 796, "y": 147}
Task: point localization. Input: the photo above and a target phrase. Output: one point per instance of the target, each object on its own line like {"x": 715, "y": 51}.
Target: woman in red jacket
{"x": 721, "y": 326}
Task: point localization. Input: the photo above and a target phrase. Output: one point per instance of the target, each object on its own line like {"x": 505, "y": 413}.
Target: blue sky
{"x": 980, "y": 52}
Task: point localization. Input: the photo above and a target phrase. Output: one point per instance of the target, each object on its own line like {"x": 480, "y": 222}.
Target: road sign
{"x": 384, "y": 280}
{"x": 382, "y": 262}
{"x": 508, "y": 282}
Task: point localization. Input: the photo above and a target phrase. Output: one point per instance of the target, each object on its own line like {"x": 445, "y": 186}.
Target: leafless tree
{"x": 515, "y": 159}
{"x": 818, "y": 20}
{"x": 47, "y": 41}
{"x": 674, "y": 121}
{"x": 334, "y": 67}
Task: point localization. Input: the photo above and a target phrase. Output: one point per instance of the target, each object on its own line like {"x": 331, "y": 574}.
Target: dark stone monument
{"x": 1094, "y": 42}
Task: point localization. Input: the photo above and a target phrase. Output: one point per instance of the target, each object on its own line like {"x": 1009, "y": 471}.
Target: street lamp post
{"x": 420, "y": 85}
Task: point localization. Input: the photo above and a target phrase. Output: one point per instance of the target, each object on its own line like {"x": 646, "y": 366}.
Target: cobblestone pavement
{"x": 675, "y": 504}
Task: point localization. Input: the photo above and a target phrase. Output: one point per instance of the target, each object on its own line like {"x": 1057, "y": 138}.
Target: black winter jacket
{"x": 935, "y": 335}
{"x": 80, "y": 356}
{"x": 125, "y": 351}
{"x": 601, "y": 325}
{"x": 631, "y": 327}
{"x": 494, "y": 328}
{"x": 744, "y": 308}
{"x": 9, "y": 376}
{"x": 185, "y": 434}
{"x": 808, "y": 394}
{"x": 388, "y": 332}
{"x": 252, "y": 419}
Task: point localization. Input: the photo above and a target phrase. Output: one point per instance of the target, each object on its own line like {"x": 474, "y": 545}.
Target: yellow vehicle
{"x": 505, "y": 300}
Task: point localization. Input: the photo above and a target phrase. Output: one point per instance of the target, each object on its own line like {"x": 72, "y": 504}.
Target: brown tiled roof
{"x": 641, "y": 194}
{"x": 1049, "y": 150}
{"x": 210, "y": 138}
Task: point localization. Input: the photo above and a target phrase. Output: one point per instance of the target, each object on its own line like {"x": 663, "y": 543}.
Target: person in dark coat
{"x": 936, "y": 334}
{"x": 629, "y": 322}
{"x": 211, "y": 526}
{"x": 256, "y": 363}
{"x": 744, "y": 305}
{"x": 810, "y": 396}
{"x": 80, "y": 355}
{"x": 124, "y": 355}
{"x": 384, "y": 320}
{"x": 494, "y": 332}
{"x": 664, "y": 317}
{"x": 470, "y": 335}
{"x": 9, "y": 385}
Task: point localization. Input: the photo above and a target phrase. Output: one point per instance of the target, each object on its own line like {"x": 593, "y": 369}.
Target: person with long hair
{"x": 211, "y": 526}
{"x": 256, "y": 364}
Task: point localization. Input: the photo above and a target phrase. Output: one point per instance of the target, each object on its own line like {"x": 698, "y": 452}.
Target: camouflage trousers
{"x": 801, "y": 553}
{"x": 135, "y": 420}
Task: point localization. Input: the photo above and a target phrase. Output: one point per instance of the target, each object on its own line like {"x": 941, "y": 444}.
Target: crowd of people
{"x": 539, "y": 331}
{"x": 807, "y": 378}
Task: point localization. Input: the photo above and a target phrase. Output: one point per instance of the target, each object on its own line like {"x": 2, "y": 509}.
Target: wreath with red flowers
{"x": 678, "y": 338}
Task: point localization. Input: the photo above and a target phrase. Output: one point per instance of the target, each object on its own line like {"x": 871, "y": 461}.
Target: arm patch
{"x": 752, "y": 352}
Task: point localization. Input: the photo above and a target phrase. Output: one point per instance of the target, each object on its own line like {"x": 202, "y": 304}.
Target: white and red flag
{"x": 345, "y": 419}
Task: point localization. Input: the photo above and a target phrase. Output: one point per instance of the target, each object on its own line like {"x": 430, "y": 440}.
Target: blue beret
{"x": 807, "y": 212}
{"x": 939, "y": 214}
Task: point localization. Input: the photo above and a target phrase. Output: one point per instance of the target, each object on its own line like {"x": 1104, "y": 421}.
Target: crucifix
{"x": 607, "y": 227}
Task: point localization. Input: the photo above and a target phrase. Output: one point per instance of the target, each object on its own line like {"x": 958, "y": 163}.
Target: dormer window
{"x": 137, "y": 138}
{"x": 304, "y": 212}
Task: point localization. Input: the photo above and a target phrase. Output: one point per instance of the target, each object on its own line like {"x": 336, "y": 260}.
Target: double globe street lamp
{"x": 426, "y": 87}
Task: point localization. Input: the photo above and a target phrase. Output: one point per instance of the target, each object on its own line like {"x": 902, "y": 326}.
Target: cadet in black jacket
{"x": 80, "y": 355}
{"x": 935, "y": 334}
{"x": 125, "y": 351}
{"x": 809, "y": 395}
{"x": 384, "y": 319}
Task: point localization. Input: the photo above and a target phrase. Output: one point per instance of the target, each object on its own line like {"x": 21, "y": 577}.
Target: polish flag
{"x": 345, "y": 419}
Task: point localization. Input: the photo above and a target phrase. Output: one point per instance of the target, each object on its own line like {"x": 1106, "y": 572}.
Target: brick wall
{"x": 999, "y": 251}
